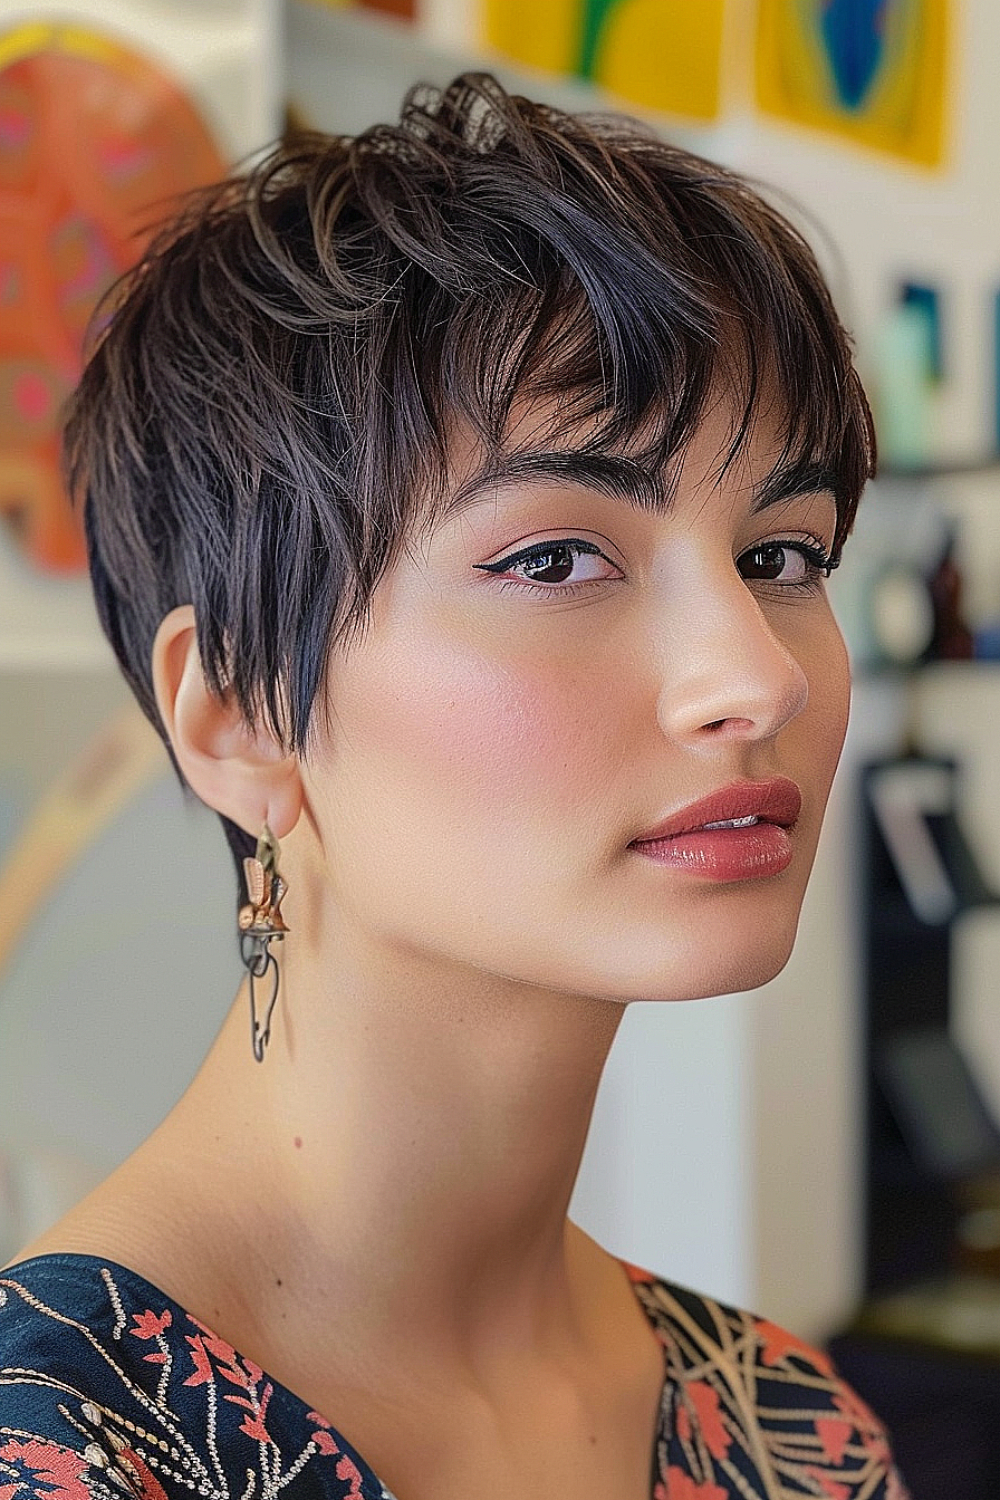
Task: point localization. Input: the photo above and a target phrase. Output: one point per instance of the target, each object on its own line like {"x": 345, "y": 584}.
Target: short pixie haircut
{"x": 264, "y": 420}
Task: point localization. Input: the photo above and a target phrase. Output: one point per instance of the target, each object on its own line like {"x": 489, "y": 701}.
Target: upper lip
{"x": 775, "y": 801}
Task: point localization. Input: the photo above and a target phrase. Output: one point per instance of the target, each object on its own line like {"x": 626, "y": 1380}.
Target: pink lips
{"x": 754, "y": 851}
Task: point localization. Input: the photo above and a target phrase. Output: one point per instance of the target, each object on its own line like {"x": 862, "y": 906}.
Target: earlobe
{"x": 244, "y": 774}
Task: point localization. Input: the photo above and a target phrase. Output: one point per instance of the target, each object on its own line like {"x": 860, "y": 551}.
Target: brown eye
{"x": 767, "y": 561}
{"x": 554, "y": 565}
{"x": 793, "y": 563}
{"x": 547, "y": 566}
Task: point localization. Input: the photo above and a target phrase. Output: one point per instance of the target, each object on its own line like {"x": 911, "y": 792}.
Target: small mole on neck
{"x": 298, "y": 1143}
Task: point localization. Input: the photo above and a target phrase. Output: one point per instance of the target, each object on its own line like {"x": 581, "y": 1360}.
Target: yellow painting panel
{"x": 664, "y": 54}
{"x": 897, "y": 105}
{"x": 542, "y": 33}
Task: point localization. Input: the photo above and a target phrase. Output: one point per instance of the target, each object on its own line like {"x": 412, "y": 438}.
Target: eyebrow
{"x": 624, "y": 479}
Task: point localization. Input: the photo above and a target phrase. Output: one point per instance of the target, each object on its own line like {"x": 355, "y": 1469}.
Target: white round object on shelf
{"x": 902, "y": 613}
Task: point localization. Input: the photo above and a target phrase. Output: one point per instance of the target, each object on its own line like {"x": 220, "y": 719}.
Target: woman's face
{"x": 503, "y": 734}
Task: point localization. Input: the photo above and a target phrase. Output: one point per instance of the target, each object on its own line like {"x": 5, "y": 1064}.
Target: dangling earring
{"x": 260, "y": 922}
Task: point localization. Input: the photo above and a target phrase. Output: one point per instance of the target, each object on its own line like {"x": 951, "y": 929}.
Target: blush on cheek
{"x": 457, "y": 789}
{"x": 507, "y": 734}
{"x": 513, "y": 739}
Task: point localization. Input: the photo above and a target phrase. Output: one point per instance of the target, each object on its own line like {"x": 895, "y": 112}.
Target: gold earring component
{"x": 261, "y": 923}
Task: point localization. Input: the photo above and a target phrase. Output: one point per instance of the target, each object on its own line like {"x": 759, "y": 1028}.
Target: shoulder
{"x": 749, "y": 1399}
{"x": 110, "y": 1388}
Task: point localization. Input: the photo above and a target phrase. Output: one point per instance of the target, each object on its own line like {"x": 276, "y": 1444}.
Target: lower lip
{"x": 724, "y": 854}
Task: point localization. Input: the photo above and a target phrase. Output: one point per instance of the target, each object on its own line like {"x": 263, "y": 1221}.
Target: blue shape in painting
{"x": 853, "y": 33}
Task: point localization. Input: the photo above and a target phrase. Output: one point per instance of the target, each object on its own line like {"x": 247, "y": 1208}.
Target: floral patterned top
{"x": 108, "y": 1388}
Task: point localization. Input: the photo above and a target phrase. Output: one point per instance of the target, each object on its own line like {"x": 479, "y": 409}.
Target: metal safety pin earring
{"x": 261, "y": 923}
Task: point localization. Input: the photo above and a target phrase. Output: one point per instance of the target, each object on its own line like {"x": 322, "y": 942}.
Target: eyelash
{"x": 813, "y": 552}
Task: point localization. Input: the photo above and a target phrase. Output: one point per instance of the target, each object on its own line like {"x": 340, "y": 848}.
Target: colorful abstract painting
{"x": 871, "y": 70}
{"x": 95, "y": 142}
{"x": 661, "y": 54}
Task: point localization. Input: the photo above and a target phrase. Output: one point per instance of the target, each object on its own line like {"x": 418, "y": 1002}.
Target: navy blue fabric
{"x": 108, "y": 1388}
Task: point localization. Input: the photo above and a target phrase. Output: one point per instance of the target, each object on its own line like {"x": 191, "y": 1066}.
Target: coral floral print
{"x": 750, "y": 1411}
{"x": 108, "y": 1388}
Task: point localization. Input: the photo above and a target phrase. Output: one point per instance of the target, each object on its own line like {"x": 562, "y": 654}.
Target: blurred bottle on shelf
{"x": 952, "y": 639}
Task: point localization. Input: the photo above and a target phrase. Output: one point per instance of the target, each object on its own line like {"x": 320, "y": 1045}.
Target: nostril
{"x": 730, "y": 722}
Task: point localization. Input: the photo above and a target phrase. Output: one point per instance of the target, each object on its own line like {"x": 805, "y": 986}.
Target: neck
{"x": 407, "y": 1152}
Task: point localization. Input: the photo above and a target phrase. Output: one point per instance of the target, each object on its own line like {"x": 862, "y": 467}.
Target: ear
{"x": 245, "y": 775}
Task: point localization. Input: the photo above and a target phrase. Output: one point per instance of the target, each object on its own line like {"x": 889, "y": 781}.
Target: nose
{"x": 727, "y": 674}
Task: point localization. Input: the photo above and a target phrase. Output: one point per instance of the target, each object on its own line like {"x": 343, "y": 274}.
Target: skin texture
{"x": 467, "y": 926}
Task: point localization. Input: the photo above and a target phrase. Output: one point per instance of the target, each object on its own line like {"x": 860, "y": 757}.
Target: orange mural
{"x": 94, "y": 142}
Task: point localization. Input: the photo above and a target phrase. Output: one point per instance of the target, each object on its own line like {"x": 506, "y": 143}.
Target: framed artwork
{"x": 870, "y": 71}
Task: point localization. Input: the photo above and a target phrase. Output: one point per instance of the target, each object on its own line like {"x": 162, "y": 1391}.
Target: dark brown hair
{"x": 265, "y": 416}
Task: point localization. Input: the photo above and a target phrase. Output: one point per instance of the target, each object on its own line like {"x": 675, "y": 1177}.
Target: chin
{"x": 752, "y": 972}
{"x": 723, "y": 980}
{"x": 733, "y": 967}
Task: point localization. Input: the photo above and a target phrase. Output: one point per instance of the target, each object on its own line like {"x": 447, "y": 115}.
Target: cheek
{"x": 460, "y": 734}
{"x": 480, "y": 728}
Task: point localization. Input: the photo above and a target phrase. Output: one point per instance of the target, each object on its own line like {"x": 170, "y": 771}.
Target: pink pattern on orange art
{"x": 226, "y": 1359}
{"x": 202, "y": 1365}
{"x": 348, "y": 1471}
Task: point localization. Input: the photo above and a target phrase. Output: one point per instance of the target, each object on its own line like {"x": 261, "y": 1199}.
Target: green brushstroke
{"x": 595, "y": 13}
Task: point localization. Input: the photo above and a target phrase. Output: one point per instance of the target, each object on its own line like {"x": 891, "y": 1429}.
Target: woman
{"x": 459, "y": 501}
